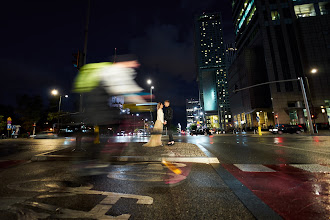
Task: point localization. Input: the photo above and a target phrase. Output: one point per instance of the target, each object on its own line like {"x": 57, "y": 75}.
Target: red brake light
{"x": 300, "y": 126}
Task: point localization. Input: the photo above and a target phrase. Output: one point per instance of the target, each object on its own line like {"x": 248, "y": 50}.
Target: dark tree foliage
{"x": 29, "y": 110}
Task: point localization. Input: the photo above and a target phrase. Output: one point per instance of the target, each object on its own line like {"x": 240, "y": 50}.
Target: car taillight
{"x": 300, "y": 126}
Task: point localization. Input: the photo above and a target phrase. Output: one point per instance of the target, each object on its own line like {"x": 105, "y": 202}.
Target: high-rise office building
{"x": 211, "y": 68}
{"x": 280, "y": 40}
{"x": 194, "y": 113}
{"x": 230, "y": 54}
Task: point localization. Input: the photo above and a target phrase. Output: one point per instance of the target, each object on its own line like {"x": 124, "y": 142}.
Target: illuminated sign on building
{"x": 209, "y": 90}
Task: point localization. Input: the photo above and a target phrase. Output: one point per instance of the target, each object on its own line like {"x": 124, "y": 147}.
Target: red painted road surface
{"x": 292, "y": 192}
{"x": 8, "y": 163}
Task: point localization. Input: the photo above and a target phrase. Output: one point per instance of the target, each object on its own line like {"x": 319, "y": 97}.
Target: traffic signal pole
{"x": 303, "y": 91}
{"x": 85, "y": 49}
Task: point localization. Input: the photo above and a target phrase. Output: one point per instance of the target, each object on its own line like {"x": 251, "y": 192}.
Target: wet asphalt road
{"x": 25, "y": 149}
{"x": 55, "y": 190}
{"x": 271, "y": 149}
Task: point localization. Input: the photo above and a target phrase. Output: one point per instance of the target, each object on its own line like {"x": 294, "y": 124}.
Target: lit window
{"x": 324, "y": 8}
{"x": 306, "y": 10}
{"x": 275, "y": 15}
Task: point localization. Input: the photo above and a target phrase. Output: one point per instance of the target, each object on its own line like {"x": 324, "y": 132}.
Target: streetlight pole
{"x": 306, "y": 105}
{"x": 303, "y": 91}
{"x": 313, "y": 71}
{"x": 55, "y": 93}
{"x": 59, "y": 104}
{"x": 151, "y": 88}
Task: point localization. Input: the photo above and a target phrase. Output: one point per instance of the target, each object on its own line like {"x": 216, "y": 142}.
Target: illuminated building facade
{"x": 211, "y": 68}
{"x": 280, "y": 40}
{"x": 230, "y": 54}
{"x": 195, "y": 114}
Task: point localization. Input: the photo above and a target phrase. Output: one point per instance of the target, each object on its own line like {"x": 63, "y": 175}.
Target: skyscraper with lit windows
{"x": 211, "y": 69}
{"x": 280, "y": 40}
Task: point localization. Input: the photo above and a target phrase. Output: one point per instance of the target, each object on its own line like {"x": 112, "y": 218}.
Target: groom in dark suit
{"x": 168, "y": 117}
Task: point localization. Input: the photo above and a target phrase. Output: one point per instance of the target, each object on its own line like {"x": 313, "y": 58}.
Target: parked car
{"x": 121, "y": 133}
{"x": 46, "y": 135}
{"x": 286, "y": 128}
{"x": 196, "y": 132}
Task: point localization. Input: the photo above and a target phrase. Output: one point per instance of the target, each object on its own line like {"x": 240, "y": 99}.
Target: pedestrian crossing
{"x": 313, "y": 168}
{"x": 253, "y": 168}
{"x": 292, "y": 190}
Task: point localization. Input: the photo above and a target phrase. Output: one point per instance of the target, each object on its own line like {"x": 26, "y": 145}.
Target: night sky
{"x": 39, "y": 37}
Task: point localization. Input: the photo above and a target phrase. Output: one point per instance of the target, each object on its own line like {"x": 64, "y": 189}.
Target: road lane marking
{"x": 254, "y": 168}
{"x": 97, "y": 212}
{"x": 212, "y": 158}
{"x": 314, "y": 168}
{"x": 319, "y": 152}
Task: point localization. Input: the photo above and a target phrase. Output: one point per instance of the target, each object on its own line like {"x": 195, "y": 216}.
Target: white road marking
{"x": 212, "y": 158}
{"x": 254, "y": 168}
{"x": 97, "y": 212}
{"x": 294, "y": 148}
{"x": 314, "y": 168}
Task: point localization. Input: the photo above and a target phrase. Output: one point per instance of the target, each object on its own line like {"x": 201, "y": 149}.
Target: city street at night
{"x": 176, "y": 109}
{"x": 220, "y": 177}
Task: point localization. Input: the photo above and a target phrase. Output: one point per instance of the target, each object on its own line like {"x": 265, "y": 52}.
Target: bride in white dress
{"x": 155, "y": 139}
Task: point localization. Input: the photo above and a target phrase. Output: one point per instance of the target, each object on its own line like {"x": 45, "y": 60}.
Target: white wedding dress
{"x": 156, "y": 139}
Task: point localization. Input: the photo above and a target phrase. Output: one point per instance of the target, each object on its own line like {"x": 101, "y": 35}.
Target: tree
{"x": 2, "y": 123}
{"x": 29, "y": 110}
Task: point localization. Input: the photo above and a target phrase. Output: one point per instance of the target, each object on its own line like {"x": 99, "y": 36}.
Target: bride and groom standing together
{"x": 162, "y": 119}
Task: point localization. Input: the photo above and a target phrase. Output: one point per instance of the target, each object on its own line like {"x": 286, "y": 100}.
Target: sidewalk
{"x": 131, "y": 152}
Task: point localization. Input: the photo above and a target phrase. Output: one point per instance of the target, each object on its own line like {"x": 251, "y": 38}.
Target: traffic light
{"x": 77, "y": 60}
{"x": 276, "y": 116}
{"x": 313, "y": 116}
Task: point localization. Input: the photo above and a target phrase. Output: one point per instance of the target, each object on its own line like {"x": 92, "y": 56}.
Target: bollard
{"x": 97, "y": 134}
{"x": 259, "y": 130}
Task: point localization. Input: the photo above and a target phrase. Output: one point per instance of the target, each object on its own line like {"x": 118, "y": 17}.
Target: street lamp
{"x": 149, "y": 81}
{"x": 54, "y": 92}
{"x": 314, "y": 70}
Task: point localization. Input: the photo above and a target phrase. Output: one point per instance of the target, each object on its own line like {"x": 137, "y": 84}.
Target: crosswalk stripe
{"x": 315, "y": 168}
{"x": 253, "y": 168}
